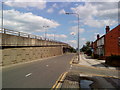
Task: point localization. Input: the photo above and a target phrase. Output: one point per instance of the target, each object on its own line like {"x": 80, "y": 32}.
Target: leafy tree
{"x": 87, "y": 48}
{"x": 72, "y": 50}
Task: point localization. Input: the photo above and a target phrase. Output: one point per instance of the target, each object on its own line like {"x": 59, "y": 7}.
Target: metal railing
{"x": 17, "y": 33}
{"x": 22, "y": 34}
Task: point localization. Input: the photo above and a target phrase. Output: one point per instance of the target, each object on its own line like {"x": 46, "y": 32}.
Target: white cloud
{"x": 105, "y": 5}
{"x": 75, "y": 29}
{"x": 50, "y": 10}
{"x": 40, "y": 4}
{"x": 62, "y": 11}
{"x": 73, "y": 43}
{"x": 98, "y": 14}
{"x": 83, "y": 39}
{"x": 81, "y": 30}
{"x": 76, "y": 4}
{"x": 85, "y": 11}
{"x": 111, "y": 13}
{"x": 73, "y": 33}
{"x": 95, "y": 35}
{"x": 57, "y": 35}
{"x": 74, "y": 21}
{"x": 26, "y": 22}
{"x": 99, "y": 23}
{"x": 54, "y": 5}
{"x": 88, "y": 0}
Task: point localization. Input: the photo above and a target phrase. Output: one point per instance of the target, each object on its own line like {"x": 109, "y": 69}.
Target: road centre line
{"x": 47, "y": 65}
{"x": 27, "y": 62}
{"x": 28, "y": 74}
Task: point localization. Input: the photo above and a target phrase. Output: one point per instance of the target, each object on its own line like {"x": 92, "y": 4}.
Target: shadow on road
{"x": 105, "y": 65}
{"x": 100, "y": 65}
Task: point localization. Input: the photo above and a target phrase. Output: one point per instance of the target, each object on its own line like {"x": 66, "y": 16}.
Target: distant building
{"x": 99, "y": 46}
{"x": 108, "y": 44}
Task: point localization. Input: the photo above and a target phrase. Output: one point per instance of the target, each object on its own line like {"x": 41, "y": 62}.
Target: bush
{"x": 95, "y": 56}
{"x": 113, "y": 60}
{"x": 89, "y": 52}
{"x": 72, "y": 50}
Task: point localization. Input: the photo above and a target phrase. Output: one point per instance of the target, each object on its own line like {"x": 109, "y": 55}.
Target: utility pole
{"x": 78, "y": 34}
{"x": 2, "y": 17}
{"x": 45, "y": 31}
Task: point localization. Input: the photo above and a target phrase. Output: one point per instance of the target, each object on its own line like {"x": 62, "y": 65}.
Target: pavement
{"x": 86, "y": 60}
{"x": 91, "y": 74}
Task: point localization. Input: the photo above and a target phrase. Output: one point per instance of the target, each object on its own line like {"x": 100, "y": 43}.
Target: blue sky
{"x": 30, "y": 17}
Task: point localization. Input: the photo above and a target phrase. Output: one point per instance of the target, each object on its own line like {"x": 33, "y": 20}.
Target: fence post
{"x": 4, "y": 30}
{"x": 18, "y": 33}
{"x": 28, "y": 36}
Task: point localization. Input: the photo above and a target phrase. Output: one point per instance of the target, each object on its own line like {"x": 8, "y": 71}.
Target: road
{"x": 43, "y": 74}
{"x": 39, "y": 74}
{"x": 104, "y": 77}
{"x": 92, "y": 66}
{"x": 96, "y": 71}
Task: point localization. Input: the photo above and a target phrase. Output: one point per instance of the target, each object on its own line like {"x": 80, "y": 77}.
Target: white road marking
{"x": 28, "y": 74}
{"x": 42, "y": 59}
{"x": 46, "y": 65}
{"x": 70, "y": 67}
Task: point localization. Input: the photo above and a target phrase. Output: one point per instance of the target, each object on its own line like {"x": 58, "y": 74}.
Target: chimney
{"x": 107, "y": 29}
{"x": 98, "y": 36}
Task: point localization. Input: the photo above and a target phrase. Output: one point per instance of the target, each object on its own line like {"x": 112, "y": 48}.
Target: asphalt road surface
{"x": 97, "y": 71}
{"x": 38, "y": 74}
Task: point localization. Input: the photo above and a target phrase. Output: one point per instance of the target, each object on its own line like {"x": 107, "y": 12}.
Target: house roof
{"x": 108, "y": 32}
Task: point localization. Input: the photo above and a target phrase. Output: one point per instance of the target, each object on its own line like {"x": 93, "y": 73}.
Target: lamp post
{"x": 2, "y": 17}
{"x": 78, "y": 33}
{"x": 45, "y": 31}
{"x": 54, "y": 35}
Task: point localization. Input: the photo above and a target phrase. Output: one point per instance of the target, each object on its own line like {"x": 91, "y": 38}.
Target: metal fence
{"x": 22, "y": 34}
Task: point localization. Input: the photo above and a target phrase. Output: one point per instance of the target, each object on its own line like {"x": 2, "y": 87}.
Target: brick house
{"x": 99, "y": 45}
{"x": 108, "y": 44}
{"x": 112, "y": 41}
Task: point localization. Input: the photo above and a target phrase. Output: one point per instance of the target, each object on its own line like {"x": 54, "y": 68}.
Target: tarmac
{"x": 79, "y": 81}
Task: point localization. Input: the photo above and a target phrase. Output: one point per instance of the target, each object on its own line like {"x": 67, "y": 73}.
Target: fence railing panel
{"x": 22, "y": 34}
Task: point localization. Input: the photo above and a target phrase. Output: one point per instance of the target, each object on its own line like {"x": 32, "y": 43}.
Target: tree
{"x": 87, "y": 48}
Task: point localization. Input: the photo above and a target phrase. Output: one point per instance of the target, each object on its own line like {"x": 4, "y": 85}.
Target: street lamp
{"x": 78, "y": 33}
{"x": 2, "y": 17}
{"x": 54, "y": 35}
{"x": 45, "y": 31}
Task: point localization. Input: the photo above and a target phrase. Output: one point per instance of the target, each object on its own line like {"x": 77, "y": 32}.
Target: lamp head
{"x": 67, "y": 13}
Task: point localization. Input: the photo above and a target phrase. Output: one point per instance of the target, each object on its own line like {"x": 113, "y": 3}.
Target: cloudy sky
{"x": 38, "y": 16}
